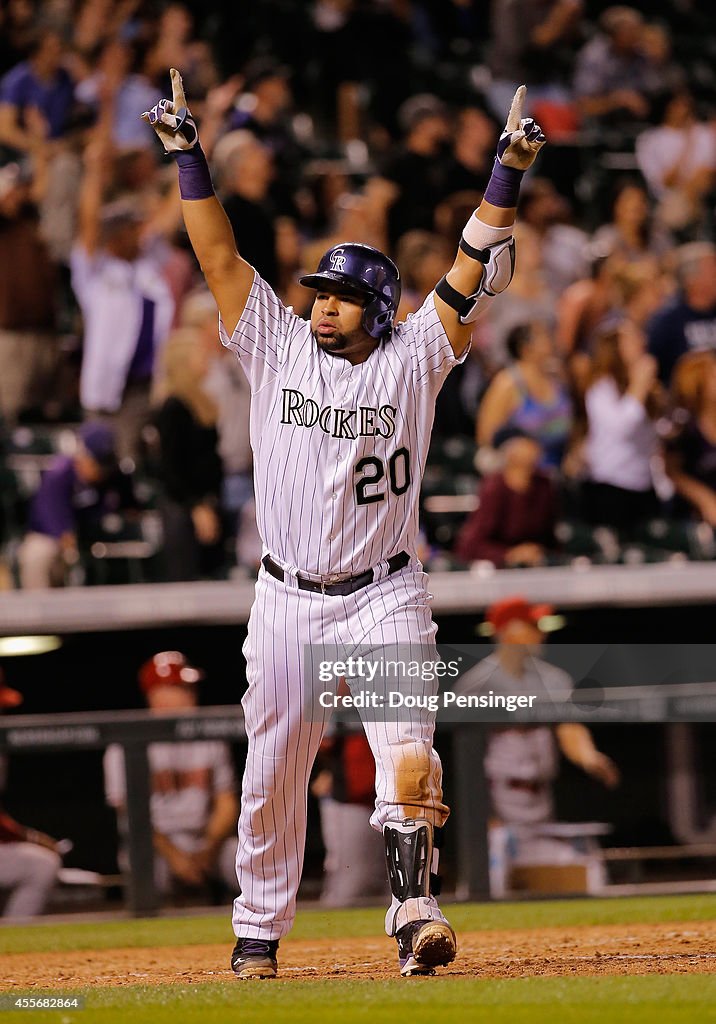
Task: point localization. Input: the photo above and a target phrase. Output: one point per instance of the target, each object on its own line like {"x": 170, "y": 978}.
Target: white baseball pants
{"x": 283, "y": 744}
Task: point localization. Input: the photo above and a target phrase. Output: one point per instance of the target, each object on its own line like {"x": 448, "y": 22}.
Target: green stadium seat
{"x": 122, "y": 549}
{"x": 694, "y": 539}
{"x": 453, "y": 454}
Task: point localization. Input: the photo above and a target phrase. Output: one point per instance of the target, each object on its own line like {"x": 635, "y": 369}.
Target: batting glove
{"x": 172, "y": 121}
{"x": 522, "y": 138}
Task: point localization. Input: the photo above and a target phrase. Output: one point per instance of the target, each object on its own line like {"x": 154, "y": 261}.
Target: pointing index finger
{"x": 515, "y": 115}
{"x": 178, "y": 97}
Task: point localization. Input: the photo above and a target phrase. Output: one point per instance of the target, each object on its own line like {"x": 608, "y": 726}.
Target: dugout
{"x": 107, "y": 633}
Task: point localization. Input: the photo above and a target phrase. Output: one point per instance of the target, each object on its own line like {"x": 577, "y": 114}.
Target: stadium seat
{"x": 598, "y": 543}
{"x": 447, "y": 498}
{"x": 454, "y": 454}
{"x": 694, "y": 539}
{"x": 121, "y": 549}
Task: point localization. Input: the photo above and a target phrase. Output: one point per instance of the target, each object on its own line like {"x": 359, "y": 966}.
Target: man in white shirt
{"x": 127, "y": 309}
{"x": 194, "y": 807}
{"x": 522, "y": 761}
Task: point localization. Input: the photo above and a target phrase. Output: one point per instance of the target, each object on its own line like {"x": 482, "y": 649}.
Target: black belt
{"x": 526, "y": 786}
{"x": 343, "y": 587}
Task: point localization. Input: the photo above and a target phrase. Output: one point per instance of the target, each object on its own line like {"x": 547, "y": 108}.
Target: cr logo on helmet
{"x": 338, "y": 260}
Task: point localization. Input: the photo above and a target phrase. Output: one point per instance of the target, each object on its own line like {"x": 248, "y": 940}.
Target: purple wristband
{"x": 194, "y": 175}
{"x": 503, "y": 188}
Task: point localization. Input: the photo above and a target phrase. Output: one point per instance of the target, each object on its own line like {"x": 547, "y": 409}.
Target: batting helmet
{"x": 366, "y": 270}
{"x": 169, "y": 668}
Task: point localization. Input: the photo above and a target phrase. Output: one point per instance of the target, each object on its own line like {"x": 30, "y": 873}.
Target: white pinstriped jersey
{"x": 339, "y": 450}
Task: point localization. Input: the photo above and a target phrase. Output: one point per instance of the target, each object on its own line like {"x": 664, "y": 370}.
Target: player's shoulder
{"x": 478, "y": 677}
{"x": 556, "y": 680}
{"x": 264, "y": 302}
{"x": 265, "y": 317}
{"x": 422, "y": 326}
{"x": 417, "y": 317}
{"x": 200, "y": 751}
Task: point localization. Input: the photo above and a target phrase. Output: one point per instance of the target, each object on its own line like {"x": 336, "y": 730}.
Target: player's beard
{"x": 334, "y": 344}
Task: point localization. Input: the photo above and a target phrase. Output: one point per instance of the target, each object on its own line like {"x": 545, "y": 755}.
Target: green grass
{"x": 656, "y": 999}
{"x": 334, "y": 924}
{"x": 637, "y": 999}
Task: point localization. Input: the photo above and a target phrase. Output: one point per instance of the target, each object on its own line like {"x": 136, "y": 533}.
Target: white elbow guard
{"x": 498, "y": 260}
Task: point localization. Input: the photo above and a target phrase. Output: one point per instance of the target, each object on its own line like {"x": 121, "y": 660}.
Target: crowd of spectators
{"x": 589, "y": 395}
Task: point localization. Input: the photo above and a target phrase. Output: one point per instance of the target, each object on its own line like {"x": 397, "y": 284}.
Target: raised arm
{"x": 97, "y": 161}
{"x": 486, "y": 256}
{"x": 228, "y": 275}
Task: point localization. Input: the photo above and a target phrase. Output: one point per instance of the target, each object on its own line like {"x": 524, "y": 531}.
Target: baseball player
{"x": 521, "y": 761}
{"x": 29, "y": 860}
{"x": 341, "y": 413}
{"x": 193, "y": 788}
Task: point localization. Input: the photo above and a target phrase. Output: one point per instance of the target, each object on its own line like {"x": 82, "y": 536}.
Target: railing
{"x": 134, "y": 730}
{"x": 138, "y": 606}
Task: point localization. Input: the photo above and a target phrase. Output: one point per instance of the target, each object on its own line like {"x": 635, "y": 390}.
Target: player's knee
{"x": 39, "y": 864}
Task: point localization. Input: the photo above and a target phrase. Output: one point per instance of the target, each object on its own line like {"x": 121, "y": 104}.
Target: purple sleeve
{"x": 52, "y": 511}
{"x": 11, "y": 88}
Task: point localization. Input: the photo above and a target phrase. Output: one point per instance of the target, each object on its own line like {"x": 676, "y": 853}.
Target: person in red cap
{"x": 29, "y": 860}
{"x": 522, "y": 761}
{"x": 193, "y": 803}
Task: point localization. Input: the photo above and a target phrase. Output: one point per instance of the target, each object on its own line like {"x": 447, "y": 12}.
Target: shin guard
{"x": 411, "y": 858}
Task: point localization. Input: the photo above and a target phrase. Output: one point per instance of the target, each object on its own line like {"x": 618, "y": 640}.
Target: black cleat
{"x": 425, "y": 945}
{"x": 254, "y": 958}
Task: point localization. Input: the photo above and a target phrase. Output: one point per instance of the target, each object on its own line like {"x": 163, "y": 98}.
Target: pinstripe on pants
{"x": 283, "y": 744}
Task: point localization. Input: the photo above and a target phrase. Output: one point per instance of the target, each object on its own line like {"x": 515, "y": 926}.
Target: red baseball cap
{"x": 168, "y": 668}
{"x": 9, "y": 698}
{"x": 509, "y": 608}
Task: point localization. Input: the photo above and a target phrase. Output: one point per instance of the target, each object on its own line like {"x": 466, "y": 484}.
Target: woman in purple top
{"x": 529, "y": 395}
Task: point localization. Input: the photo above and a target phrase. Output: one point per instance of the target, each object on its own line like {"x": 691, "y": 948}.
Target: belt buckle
{"x": 331, "y": 581}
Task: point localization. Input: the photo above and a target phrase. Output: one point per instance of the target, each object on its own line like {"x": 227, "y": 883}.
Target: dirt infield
{"x": 586, "y": 951}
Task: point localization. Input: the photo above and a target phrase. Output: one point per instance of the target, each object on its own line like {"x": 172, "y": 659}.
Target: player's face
{"x": 522, "y": 634}
{"x": 88, "y": 469}
{"x": 337, "y": 325}
{"x": 539, "y": 348}
{"x": 523, "y": 453}
{"x": 171, "y": 698}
